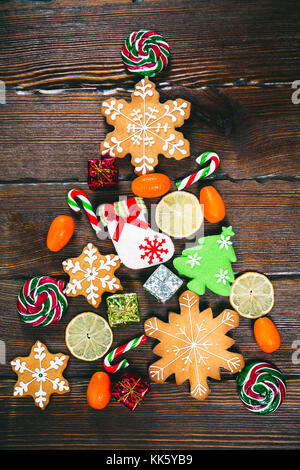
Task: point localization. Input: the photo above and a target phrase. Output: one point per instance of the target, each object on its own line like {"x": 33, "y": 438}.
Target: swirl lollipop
{"x": 145, "y": 53}
{"x": 41, "y": 301}
{"x": 261, "y": 387}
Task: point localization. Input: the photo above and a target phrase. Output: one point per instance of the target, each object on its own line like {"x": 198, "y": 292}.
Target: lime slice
{"x": 252, "y": 295}
{"x": 179, "y": 214}
{"x": 88, "y": 336}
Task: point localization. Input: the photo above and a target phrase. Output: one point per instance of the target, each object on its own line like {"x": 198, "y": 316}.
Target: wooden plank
{"x": 19, "y": 337}
{"x": 257, "y": 41}
{"x": 254, "y": 130}
{"x": 60, "y": 61}
{"x": 167, "y": 419}
{"x": 22, "y": 4}
{"x": 265, "y": 218}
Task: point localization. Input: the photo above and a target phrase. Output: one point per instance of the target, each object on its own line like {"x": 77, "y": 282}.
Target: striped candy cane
{"x": 121, "y": 350}
{"x": 205, "y": 157}
{"x": 87, "y": 206}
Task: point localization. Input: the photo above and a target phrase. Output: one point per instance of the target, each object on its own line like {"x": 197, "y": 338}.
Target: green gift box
{"x": 123, "y": 309}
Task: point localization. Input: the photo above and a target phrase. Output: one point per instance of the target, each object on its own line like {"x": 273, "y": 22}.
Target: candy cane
{"x": 205, "y": 157}
{"x": 87, "y": 206}
{"x": 121, "y": 350}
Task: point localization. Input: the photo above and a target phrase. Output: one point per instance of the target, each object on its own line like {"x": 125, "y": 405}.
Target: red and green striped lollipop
{"x": 261, "y": 387}
{"x": 41, "y": 301}
{"x": 145, "y": 53}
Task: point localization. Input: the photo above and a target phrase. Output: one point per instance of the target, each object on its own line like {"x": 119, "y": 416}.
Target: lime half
{"x": 179, "y": 214}
{"x": 88, "y": 336}
{"x": 252, "y": 295}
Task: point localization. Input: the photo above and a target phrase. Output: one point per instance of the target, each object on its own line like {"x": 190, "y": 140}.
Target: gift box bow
{"x": 130, "y": 390}
{"x": 123, "y": 212}
{"x": 124, "y": 304}
{"x": 103, "y": 170}
{"x": 166, "y": 277}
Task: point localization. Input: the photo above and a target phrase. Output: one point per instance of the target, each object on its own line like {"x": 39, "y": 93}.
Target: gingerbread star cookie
{"x": 40, "y": 374}
{"x": 145, "y": 128}
{"x": 193, "y": 345}
{"x": 91, "y": 274}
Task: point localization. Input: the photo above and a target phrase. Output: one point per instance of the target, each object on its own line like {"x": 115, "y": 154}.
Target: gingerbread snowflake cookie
{"x": 145, "y": 128}
{"x": 40, "y": 374}
{"x": 193, "y": 345}
{"x": 91, "y": 274}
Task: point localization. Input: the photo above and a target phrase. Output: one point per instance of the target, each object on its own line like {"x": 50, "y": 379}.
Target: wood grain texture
{"x": 235, "y": 62}
{"x": 259, "y": 242}
{"x": 21, "y": 4}
{"x": 211, "y": 42}
{"x": 254, "y": 130}
{"x": 20, "y": 336}
{"x": 219, "y": 422}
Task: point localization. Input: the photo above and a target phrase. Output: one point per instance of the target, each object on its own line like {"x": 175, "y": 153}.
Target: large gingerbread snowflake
{"x": 193, "y": 345}
{"x": 145, "y": 128}
{"x": 91, "y": 274}
{"x": 40, "y": 374}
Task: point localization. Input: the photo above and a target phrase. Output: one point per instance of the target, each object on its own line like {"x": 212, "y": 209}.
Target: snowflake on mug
{"x": 153, "y": 249}
{"x": 145, "y": 128}
{"x": 91, "y": 274}
{"x": 40, "y": 374}
{"x": 193, "y": 345}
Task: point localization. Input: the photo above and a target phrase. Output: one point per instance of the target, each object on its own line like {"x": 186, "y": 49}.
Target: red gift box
{"x": 102, "y": 173}
{"x": 130, "y": 390}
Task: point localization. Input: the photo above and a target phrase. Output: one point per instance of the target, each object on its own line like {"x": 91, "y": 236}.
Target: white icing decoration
{"x": 39, "y": 375}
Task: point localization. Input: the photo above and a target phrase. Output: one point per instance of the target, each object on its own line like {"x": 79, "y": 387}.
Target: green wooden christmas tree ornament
{"x": 209, "y": 264}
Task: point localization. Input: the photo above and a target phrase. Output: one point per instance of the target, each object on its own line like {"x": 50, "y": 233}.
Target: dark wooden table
{"x": 237, "y": 62}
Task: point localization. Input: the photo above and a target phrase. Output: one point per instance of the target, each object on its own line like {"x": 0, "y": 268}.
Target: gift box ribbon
{"x": 130, "y": 391}
{"x": 105, "y": 173}
{"x": 119, "y": 309}
{"x": 133, "y": 212}
{"x": 101, "y": 172}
